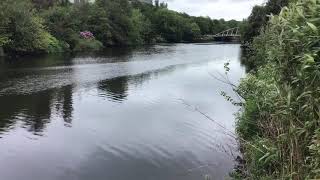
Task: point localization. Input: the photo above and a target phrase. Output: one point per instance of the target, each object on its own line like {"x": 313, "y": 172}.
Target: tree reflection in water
{"x": 35, "y": 110}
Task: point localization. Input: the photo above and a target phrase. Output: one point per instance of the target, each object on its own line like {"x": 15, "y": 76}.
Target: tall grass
{"x": 280, "y": 119}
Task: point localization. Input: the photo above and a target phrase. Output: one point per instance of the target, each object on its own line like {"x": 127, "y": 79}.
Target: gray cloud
{"x": 227, "y": 9}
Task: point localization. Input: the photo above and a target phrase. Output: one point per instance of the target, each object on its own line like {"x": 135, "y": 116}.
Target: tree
{"x": 218, "y": 26}
{"x": 45, "y": 4}
{"x": 169, "y": 25}
{"x": 259, "y": 18}
{"x": 27, "y": 32}
{"x": 137, "y": 27}
{"x": 192, "y": 32}
{"x": 62, "y": 23}
{"x": 255, "y": 22}
{"x": 275, "y": 6}
{"x": 118, "y": 13}
{"x": 204, "y": 23}
{"x": 4, "y": 23}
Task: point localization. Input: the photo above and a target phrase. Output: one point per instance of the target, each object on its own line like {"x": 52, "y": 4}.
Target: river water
{"x": 124, "y": 114}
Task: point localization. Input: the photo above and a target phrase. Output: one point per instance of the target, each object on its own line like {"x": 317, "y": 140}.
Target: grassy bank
{"x": 279, "y": 124}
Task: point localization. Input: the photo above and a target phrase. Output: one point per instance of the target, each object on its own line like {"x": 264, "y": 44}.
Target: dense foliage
{"x": 280, "y": 120}
{"x": 22, "y": 29}
{"x": 36, "y": 26}
{"x": 259, "y": 18}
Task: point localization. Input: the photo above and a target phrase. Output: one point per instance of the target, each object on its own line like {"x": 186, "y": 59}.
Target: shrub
{"x": 282, "y": 99}
{"x": 86, "y": 35}
{"x": 54, "y": 45}
{"x": 26, "y": 32}
{"x": 88, "y": 45}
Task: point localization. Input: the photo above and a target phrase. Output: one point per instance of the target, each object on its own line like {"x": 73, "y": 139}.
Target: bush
{"x": 282, "y": 97}
{"x": 25, "y": 30}
{"x": 88, "y": 45}
{"x": 54, "y": 45}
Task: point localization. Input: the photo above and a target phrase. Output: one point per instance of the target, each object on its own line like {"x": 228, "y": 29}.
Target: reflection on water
{"x": 35, "y": 110}
{"x": 116, "y": 88}
{"x": 118, "y": 114}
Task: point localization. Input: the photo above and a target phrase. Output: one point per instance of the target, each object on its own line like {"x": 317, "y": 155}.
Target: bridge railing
{"x": 232, "y": 32}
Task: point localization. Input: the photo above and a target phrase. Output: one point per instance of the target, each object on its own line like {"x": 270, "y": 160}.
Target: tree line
{"x": 47, "y": 26}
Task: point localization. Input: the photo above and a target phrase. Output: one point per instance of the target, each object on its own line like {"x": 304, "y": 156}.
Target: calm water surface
{"x": 118, "y": 115}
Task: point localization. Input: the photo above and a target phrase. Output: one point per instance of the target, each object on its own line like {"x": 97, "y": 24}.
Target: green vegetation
{"x": 279, "y": 125}
{"x": 259, "y": 18}
{"x": 22, "y": 29}
{"x": 47, "y": 26}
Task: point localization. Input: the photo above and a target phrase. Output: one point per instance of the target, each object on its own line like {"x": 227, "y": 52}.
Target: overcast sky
{"x": 216, "y": 9}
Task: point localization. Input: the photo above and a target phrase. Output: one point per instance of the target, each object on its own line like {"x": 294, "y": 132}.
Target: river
{"x": 124, "y": 114}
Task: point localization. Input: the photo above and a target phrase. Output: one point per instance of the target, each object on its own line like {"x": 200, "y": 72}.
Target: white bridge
{"x": 233, "y": 32}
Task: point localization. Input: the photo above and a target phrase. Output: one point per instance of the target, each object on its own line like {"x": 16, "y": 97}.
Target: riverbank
{"x": 279, "y": 124}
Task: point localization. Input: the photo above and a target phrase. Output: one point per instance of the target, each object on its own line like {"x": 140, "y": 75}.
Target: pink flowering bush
{"x": 87, "y": 42}
{"x": 86, "y": 35}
